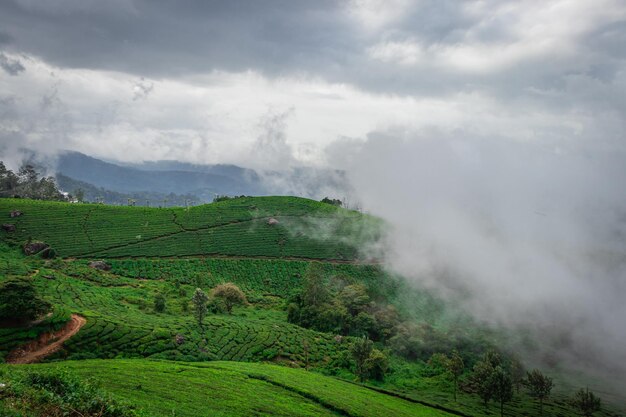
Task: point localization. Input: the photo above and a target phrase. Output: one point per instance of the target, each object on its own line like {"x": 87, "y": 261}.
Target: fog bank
{"x": 529, "y": 236}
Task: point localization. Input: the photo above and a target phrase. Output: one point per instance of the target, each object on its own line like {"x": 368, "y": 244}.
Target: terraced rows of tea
{"x": 238, "y": 227}
{"x": 121, "y": 322}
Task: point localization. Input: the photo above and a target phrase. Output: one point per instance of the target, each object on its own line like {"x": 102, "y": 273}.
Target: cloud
{"x": 525, "y": 235}
{"x": 11, "y": 66}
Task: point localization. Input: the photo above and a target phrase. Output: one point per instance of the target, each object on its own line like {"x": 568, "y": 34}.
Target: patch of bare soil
{"x": 46, "y": 344}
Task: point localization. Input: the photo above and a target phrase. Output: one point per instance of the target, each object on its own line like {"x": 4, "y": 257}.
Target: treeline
{"x": 336, "y": 305}
{"x": 28, "y": 183}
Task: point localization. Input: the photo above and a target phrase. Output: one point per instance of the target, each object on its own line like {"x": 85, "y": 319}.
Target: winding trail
{"x": 46, "y": 344}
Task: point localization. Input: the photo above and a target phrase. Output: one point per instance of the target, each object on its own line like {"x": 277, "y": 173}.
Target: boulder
{"x": 101, "y": 265}
{"x": 33, "y": 248}
{"x": 8, "y": 227}
{"x": 16, "y": 213}
{"x": 272, "y": 221}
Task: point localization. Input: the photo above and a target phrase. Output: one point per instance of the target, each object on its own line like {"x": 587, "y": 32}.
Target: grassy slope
{"x": 237, "y": 389}
{"x": 118, "y": 305}
{"x": 306, "y": 229}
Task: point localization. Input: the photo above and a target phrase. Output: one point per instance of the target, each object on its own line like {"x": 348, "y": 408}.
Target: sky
{"x": 199, "y": 81}
{"x": 489, "y": 134}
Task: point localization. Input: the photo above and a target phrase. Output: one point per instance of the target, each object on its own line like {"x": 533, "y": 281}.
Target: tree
{"x": 517, "y": 372}
{"x": 314, "y": 292}
{"x": 19, "y": 301}
{"x": 361, "y": 351}
{"x": 332, "y": 201}
{"x": 159, "y": 303}
{"x": 501, "y": 387}
{"x": 230, "y": 294}
{"x": 376, "y": 365}
{"x": 199, "y": 301}
{"x": 586, "y": 402}
{"x": 539, "y": 386}
{"x": 454, "y": 364}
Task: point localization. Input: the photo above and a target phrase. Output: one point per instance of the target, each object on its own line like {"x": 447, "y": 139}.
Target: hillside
{"x": 105, "y": 318}
{"x": 237, "y": 389}
{"x": 299, "y": 228}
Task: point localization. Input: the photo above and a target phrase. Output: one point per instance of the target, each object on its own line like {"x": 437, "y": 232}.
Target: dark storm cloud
{"x": 321, "y": 39}
{"x": 169, "y": 38}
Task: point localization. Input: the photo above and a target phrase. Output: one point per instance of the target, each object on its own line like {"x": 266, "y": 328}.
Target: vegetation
{"x": 28, "y": 183}
{"x": 586, "y": 402}
{"x": 348, "y": 320}
{"x": 230, "y": 295}
{"x": 236, "y": 227}
{"x": 56, "y": 392}
{"x": 19, "y": 302}
{"x": 539, "y": 387}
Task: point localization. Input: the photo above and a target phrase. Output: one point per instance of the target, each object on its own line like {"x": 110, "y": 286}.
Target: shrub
{"x": 19, "y": 301}
{"x": 230, "y": 294}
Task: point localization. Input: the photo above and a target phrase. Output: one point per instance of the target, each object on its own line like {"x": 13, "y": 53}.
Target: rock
{"x": 34, "y": 247}
{"x": 272, "y": 221}
{"x": 101, "y": 265}
{"x": 8, "y": 227}
{"x": 16, "y": 213}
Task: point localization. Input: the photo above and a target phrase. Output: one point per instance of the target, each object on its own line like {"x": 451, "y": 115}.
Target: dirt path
{"x": 47, "y": 343}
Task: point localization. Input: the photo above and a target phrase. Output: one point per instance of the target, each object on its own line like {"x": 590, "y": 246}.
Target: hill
{"x": 237, "y": 389}
{"x": 275, "y": 227}
{"x": 153, "y": 253}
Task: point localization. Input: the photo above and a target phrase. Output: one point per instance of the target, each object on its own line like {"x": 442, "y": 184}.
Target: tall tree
{"x": 501, "y": 387}
{"x": 455, "y": 366}
{"x": 539, "y": 386}
{"x": 361, "y": 351}
{"x": 586, "y": 402}
{"x": 199, "y": 300}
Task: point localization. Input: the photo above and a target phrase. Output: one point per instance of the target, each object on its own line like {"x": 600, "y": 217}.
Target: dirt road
{"x": 47, "y": 343}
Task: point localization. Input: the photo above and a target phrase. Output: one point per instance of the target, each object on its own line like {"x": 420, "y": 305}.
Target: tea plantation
{"x": 164, "y": 363}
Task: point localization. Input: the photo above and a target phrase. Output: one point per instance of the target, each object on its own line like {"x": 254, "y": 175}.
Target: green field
{"x": 237, "y": 389}
{"x": 238, "y": 227}
{"x": 129, "y": 348}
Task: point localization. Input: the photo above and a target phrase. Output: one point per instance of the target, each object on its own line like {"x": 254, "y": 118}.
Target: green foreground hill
{"x": 236, "y": 389}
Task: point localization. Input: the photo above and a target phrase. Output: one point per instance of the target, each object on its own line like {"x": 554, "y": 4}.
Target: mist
{"x": 521, "y": 235}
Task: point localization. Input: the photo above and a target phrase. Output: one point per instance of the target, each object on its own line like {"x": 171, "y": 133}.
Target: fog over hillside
{"x": 525, "y": 235}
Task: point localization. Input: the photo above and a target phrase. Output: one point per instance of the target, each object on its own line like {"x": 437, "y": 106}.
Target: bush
{"x": 19, "y": 301}
{"x": 60, "y": 393}
{"x": 230, "y": 294}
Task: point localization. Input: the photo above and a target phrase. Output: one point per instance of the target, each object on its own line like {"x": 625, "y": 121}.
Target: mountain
{"x": 130, "y": 179}
{"x": 160, "y": 178}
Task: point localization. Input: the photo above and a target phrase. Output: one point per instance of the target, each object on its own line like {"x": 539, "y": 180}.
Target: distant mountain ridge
{"x": 161, "y": 178}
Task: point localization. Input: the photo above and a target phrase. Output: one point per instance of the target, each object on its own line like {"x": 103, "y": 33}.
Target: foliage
{"x": 361, "y": 351}
{"x": 199, "y": 301}
{"x": 332, "y": 201}
{"x": 377, "y": 365}
{"x": 28, "y": 183}
{"x": 56, "y": 392}
{"x": 501, "y": 387}
{"x": 539, "y": 386}
{"x": 586, "y": 402}
{"x": 230, "y": 294}
{"x": 19, "y": 301}
{"x": 159, "y": 303}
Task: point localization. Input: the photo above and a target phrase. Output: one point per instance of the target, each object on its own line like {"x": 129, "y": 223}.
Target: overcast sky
{"x": 200, "y": 81}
